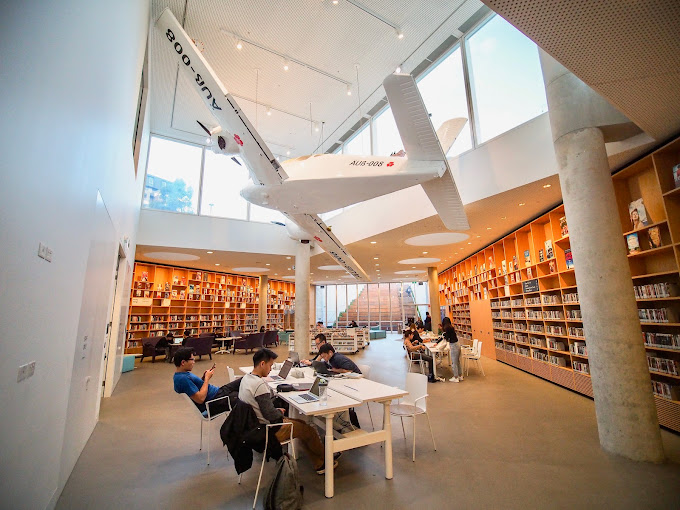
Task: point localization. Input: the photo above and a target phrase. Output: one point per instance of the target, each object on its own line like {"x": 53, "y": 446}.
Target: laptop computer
{"x": 320, "y": 367}
{"x": 283, "y": 373}
{"x": 311, "y": 396}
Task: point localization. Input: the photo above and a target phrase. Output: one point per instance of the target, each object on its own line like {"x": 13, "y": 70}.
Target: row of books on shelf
{"x": 656, "y": 315}
{"x": 656, "y": 290}
{"x": 662, "y": 365}
{"x": 653, "y": 236}
{"x": 665, "y": 390}
{"x": 580, "y": 366}
{"x": 661, "y": 340}
{"x": 578, "y": 348}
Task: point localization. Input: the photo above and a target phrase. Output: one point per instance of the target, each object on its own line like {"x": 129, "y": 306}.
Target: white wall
{"x": 69, "y": 77}
{"x": 159, "y": 228}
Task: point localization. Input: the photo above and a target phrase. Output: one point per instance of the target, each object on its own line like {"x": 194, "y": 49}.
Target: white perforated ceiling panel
{"x": 628, "y": 51}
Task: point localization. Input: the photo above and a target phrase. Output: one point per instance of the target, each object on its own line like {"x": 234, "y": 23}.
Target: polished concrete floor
{"x": 508, "y": 440}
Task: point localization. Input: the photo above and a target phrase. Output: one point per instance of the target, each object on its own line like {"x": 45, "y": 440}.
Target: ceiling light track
{"x": 377, "y": 16}
{"x": 287, "y": 60}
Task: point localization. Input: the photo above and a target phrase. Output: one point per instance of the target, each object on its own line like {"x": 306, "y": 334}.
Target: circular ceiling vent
{"x": 250, "y": 269}
{"x": 439, "y": 239}
{"x": 331, "y": 268}
{"x": 421, "y": 260}
{"x": 168, "y": 255}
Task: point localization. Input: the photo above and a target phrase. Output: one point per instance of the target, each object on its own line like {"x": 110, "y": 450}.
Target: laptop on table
{"x": 283, "y": 373}
{"x": 311, "y": 396}
{"x": 320, "y": 367}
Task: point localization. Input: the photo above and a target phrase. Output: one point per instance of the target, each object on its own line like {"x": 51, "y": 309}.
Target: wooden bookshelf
{"x": 535, "y": 312}
{"x": 171, "y": 299}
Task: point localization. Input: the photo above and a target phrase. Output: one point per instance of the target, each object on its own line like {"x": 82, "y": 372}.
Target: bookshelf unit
{"x": 535, "y": 311}
{"x": 171, "y": 299}
{"x": 281, "y": 304}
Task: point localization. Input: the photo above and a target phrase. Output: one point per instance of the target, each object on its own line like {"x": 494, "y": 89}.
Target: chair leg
{"x": 414, "y": 438}
{"x": 200, "y": 446}
{"x": 481, "y": 367}
{"x": 239, "y": 478}
{"x": 371, "y": 416}
{"x": 208, "y": 425}
{"x": 402, "y": 427}
{"x": 431, "y": 434}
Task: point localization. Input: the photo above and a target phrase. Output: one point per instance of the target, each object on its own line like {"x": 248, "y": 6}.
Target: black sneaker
{"x": 432, "y": 379}
{"x": 322, "y": 469}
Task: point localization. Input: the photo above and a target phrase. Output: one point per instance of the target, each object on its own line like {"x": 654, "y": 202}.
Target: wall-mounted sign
{"x": 530, "y": 286}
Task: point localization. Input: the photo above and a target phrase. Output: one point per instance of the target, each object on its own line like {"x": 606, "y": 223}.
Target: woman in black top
{"x": 452, "y": 338}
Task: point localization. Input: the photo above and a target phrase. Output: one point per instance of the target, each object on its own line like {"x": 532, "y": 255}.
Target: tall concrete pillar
{"x": 433, "y": 287}
{"x": 302, "y": 297}
{"x": 262, "y": 307}
{"x": 581, "y": 123}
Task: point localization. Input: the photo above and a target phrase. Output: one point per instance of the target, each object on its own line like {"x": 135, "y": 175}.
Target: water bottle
{"x": 323, "y": 392}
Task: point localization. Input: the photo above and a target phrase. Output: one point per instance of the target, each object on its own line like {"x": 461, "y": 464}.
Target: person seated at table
{"x": 449, "y": 334}
{"x": 262, "y": 330}
{"x": 187, "y": 335}
{"x": 419, "y": 333}
{"x": 319, "y": 340}
{"x": 338, "y": 363}
{"x": 319, "y": 325}
{"x": 416, "y": 350}
{"x": 198, "y": 389}
{"x": 353, "y": 324}
{"x": 256, "y": 392}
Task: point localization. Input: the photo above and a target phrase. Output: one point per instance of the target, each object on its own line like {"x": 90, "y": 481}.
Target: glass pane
{"x": 352, "y": 303}
{"x": 330, "y": 306}
{"x": 342, "y": 306}
{"x": 408, "y": 296}
{"x": 360, "y": 145}
{"x": 505, "y": 78}
{"x": 320, "y": 303}
{"x": 172, "y": 176}
{"x": 264, "y": 215}
{"x": 443, "y": 91}
{"x": 373, "y": 305}
{"x": 387, "y": 139}
{"x": 362, "y": 305}
{"x": 223, "y": 179}
{"x": 397, "y": 320}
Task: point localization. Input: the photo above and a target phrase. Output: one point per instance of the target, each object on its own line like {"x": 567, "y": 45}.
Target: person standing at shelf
{"x": 416, "y": 350}
{"x": 319, "y": 340}
{"x": 450, "y": 334}
{"x": 428, "y": 321}
{"x": 339, "y": 363}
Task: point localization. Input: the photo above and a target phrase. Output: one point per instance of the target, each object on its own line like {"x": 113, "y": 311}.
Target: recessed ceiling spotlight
{"x": 547, "y": 185}
{"x": 239, "y": 45}
{"x": 349, "y": 89}
{"x": 288, "y": 269}
{"x": 208, "y": 252}
{"x": 208, "y": 140}
{"x": 285, "y": 65}
{"x": 488, "y": 228}
{"x": 267, "y": 264}
{"x": 521, "y": 204}
{"x": 377, "y": 264}
{"x": 316, "y": 127}
{"x": 479, "y": 236}
{"x": 276, "y": 274}
{"x": 375, "y": 258}
{"x": 400, "y": 34}
{"x": 373, "y": 242}
{"x": 335, "y": 2}
{"x": 288, "y": 152}
{"x": 424, "y": 253}
{"x": 269, "y": 111}
{"x": 503, "y": 217}
{"x": 217, "y": 264}
{"x": 398, "y": 69}
{"x": 469, "y": 243}
{"x": 288, "y": 258}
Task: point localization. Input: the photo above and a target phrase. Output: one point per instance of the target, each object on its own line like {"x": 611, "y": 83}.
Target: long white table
{"x": 344, "y": 393}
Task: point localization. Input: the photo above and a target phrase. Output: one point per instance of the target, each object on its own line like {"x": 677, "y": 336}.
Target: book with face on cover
{"x": 527, "y": 258}
{"x": 654, "y": 235}
{"x": 548, "y": 249}
{"x": 540, "y": 256}
{"x": 515, "y": 264}
{"x": 638, "y": 214}
{"x": 504, "y": 267}
{"x": 568, "y": 258}
{"x": 564, "y": 230}
{"x": 676, "y": 175}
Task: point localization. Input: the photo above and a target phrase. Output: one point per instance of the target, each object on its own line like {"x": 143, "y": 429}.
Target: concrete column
{"x": 433, "y": 285}
{"x": 262, "y": 308}
{"x": 302, "y": 298}
{"x": 626, "y": 413}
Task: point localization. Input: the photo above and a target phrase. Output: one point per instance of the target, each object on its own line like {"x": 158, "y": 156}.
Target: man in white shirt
{"x": 255, "y": 392}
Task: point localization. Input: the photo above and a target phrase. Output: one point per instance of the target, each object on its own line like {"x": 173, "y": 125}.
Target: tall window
{"x": 223, "y": 179}
{"x": 443, "y": 91}
{"x": 360, "y": 145}
{"x": 505, "y": 78}
{"x": 386, "y": 139}
{"x": 172, "y": 176}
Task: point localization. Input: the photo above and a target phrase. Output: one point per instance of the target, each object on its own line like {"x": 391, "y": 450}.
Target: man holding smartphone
{"x": 197, "y": 388}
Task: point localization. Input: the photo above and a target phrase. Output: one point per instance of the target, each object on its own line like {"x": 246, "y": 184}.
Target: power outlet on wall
{"x": 26, "y": 371}
{"x": 45, "y": 252}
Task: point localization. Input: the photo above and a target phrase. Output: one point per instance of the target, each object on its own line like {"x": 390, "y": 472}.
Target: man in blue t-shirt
{"x": 198, "y": 389}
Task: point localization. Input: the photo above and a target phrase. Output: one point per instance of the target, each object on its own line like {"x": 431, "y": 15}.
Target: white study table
{"x": 433, "y": 350}
{"x": 344, "y": 393}
{"x": 223, "y": 340}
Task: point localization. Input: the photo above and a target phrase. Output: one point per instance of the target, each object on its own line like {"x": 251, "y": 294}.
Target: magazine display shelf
{"x": 537, "y": 325}
{"x": 172, "y": 299}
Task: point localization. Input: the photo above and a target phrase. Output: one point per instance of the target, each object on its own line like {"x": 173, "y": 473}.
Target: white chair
{"x": 467, "y": 350}
{"x": 230, "y": 374}
{"x": 264, "y": 454}
{"x": 413, "y": 404}
{"x": 414, "y": 360}
{"x": 476, "y": 356}
{"x": 366, "y": 371}
{"x": 207, "y": 417}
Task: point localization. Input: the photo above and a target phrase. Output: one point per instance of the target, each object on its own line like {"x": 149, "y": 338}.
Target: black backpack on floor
{"x": 285, "y": 491}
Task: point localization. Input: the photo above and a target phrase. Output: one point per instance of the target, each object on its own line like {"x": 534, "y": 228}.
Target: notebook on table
{"x": 283, "y": 373}
{"x": 311, "y": 396}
